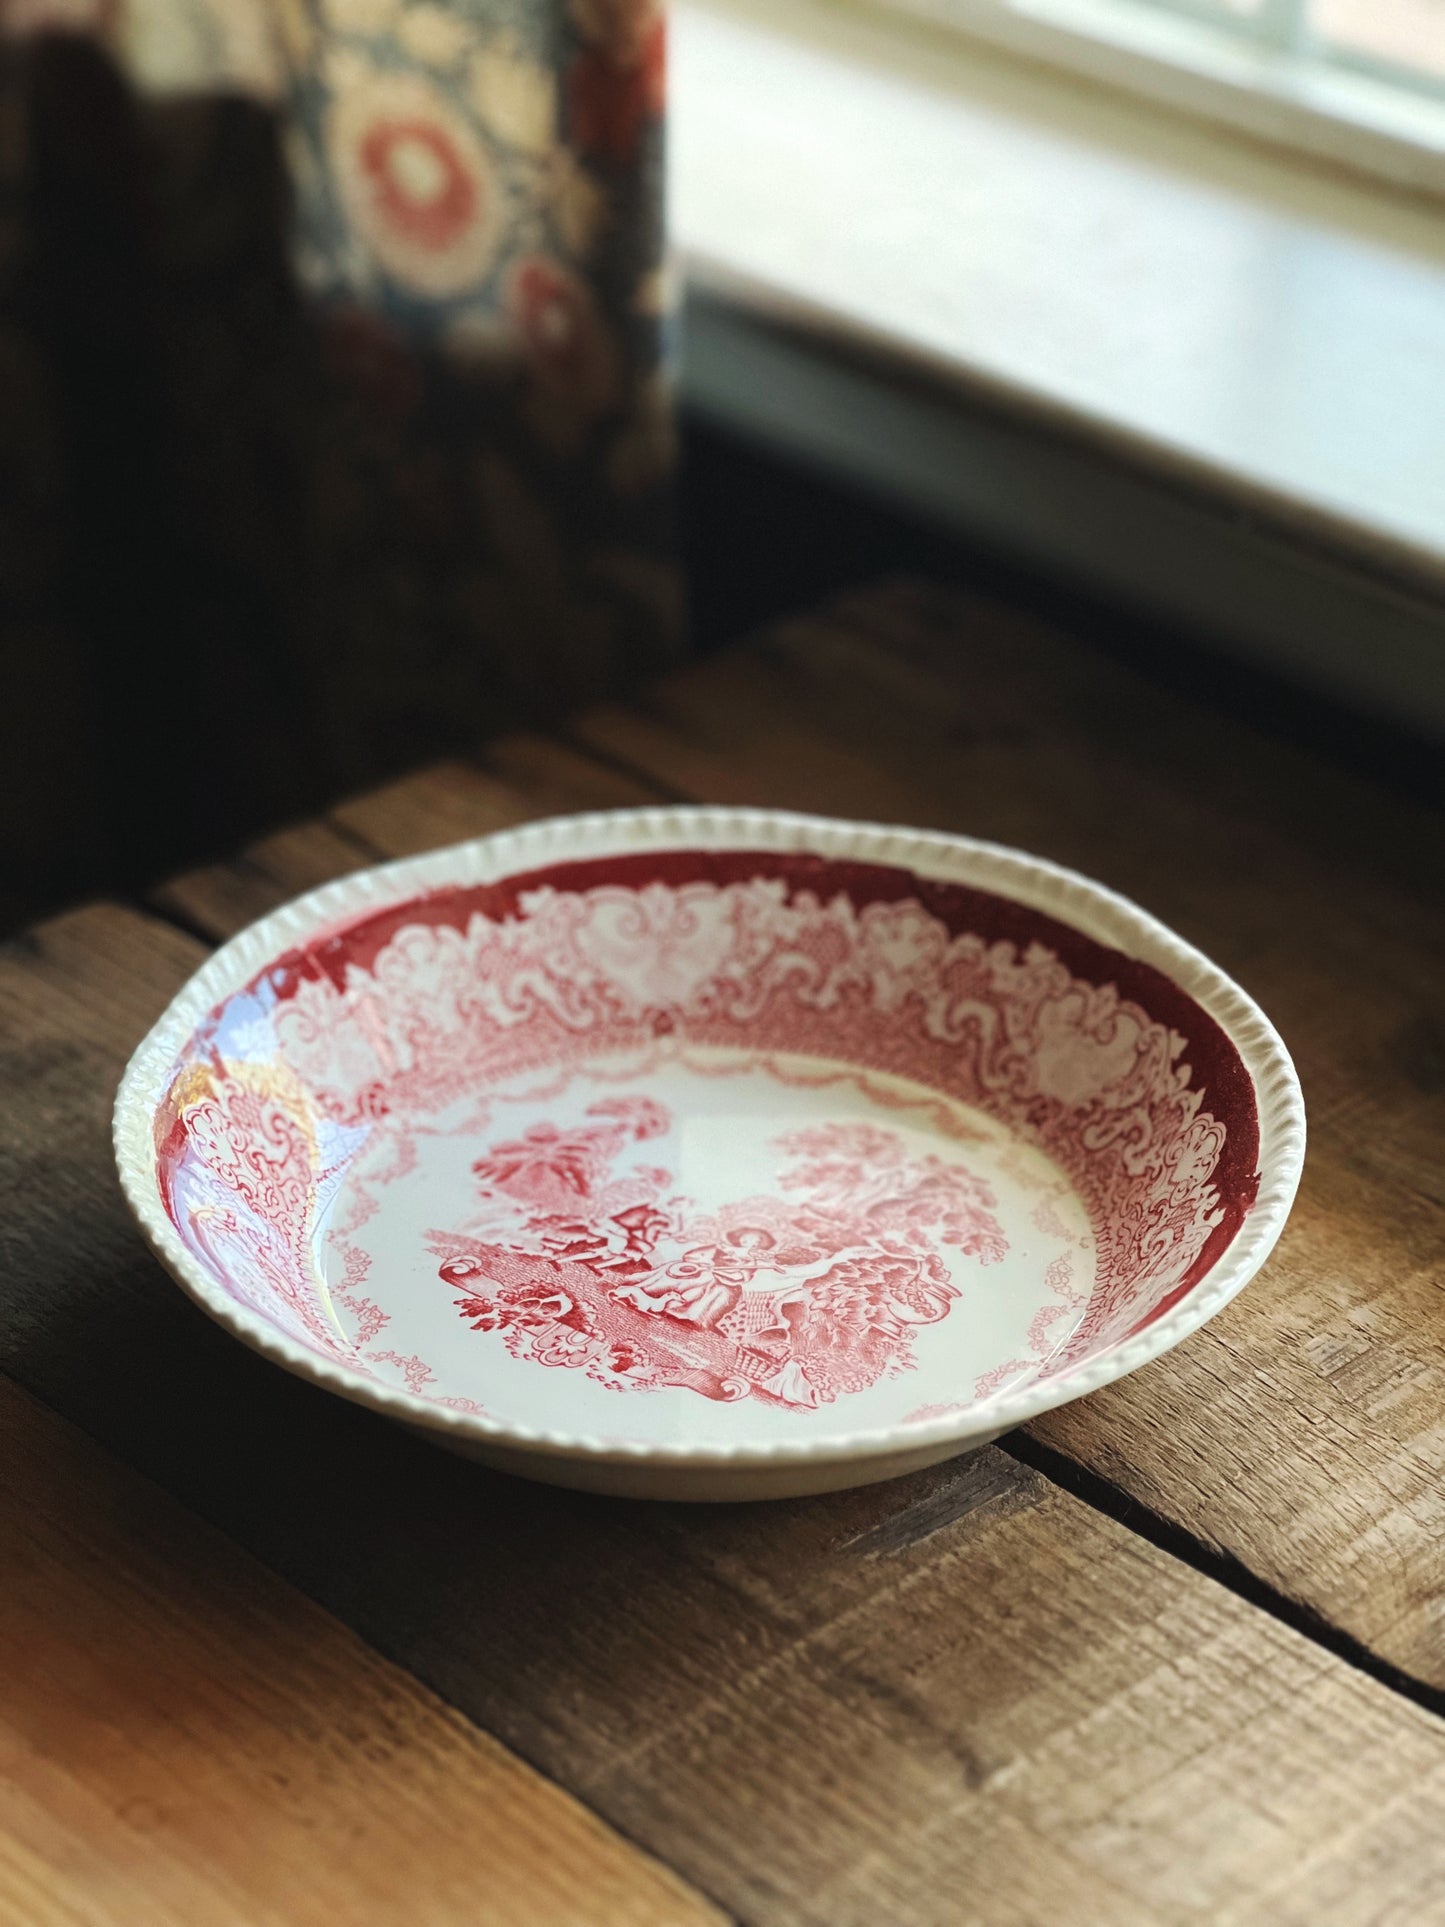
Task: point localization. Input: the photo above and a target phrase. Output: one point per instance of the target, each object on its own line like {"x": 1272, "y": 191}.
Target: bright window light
{"x": 1358, "y": 81}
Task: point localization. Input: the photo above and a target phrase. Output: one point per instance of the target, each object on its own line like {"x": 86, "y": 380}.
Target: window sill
{"x": 877, "y": 225}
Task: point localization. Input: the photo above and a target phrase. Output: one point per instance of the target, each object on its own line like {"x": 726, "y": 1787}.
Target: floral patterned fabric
{"x": 333, "y": 392}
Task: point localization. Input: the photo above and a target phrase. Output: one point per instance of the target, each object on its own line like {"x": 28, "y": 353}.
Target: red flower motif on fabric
{"x": 562, "y": 333}
{"x": 419, "y": 181}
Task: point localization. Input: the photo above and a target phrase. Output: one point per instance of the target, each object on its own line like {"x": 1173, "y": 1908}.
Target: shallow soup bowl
{"x": 711, "y": 1154}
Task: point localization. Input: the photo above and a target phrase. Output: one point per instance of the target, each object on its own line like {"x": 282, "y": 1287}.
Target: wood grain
{"x": 523, "y": 777}
{"x": 1303, "y": 1432}
{"x": 965, "y": 1697}
{"x": 186, "y": 1739}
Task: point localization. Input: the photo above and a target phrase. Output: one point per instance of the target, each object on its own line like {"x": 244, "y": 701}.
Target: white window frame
{"x": 1260, "y": 77}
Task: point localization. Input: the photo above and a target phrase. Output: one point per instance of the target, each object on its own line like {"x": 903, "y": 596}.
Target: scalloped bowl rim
{"x": 1074, "y": 899}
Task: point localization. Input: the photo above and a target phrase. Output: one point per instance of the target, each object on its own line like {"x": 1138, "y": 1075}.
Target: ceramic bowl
{"x": 711, "y": 1154}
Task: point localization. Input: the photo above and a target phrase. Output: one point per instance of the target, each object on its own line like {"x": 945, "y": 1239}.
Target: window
{"x": 1403, "y": 40}
{"x": 1356, "y": 81}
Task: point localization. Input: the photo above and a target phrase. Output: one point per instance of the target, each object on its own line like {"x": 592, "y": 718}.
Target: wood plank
{"x": 523, "y": 777}
{"x": 965, "y": 1696}
{"x": 1303, "y": 1432}
{"x": 217, "y": 899}
{"x": 187, "y": 1739}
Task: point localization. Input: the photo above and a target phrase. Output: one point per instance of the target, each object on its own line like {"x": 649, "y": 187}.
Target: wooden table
{"x": 1176, "y": 1654}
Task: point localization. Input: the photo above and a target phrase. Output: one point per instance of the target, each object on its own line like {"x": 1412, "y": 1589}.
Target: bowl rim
{"x": 1092, "y": 908}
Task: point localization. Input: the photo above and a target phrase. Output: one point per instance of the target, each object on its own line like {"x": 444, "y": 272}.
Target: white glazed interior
{"x": 1098, "y": 913}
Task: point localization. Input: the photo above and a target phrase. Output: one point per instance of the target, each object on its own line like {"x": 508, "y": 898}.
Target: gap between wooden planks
{"x": 187, "y": 1739}
{"x": 965, "y": 1697}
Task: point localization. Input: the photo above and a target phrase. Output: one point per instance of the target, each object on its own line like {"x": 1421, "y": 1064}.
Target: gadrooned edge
{"x": 1090, "y": 907}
